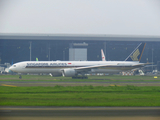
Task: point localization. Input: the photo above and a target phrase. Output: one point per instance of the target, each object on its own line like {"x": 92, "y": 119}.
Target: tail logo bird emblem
{"x": 135, "y": 55}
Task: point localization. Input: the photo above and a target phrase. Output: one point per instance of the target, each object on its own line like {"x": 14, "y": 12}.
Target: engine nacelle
{"x": 69, "y": 72}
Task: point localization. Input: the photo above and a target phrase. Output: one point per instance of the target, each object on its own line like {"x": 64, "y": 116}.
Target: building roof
{"x": 74, "y": 37}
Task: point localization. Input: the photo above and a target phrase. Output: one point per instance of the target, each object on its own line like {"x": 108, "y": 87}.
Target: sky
{"x": 110, "y": 17}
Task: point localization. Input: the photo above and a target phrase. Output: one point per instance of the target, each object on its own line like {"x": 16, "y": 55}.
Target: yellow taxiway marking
{"x": 8, "y": 85}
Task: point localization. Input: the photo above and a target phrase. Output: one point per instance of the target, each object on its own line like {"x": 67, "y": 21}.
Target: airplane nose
{"x": 11, "y": 68}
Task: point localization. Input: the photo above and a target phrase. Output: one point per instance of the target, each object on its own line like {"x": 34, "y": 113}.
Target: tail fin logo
{"x": 135, "y": 55}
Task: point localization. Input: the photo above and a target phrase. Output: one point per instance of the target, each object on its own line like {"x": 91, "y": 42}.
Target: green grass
{"x": 113, "y": 78}
{"x": 80, "y": 96}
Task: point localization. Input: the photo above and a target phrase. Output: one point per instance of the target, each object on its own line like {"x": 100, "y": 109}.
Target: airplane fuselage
{"x": 56, "y": 67}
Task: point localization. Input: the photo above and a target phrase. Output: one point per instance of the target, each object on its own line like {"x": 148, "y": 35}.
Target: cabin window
{"x": 14, "y": 65}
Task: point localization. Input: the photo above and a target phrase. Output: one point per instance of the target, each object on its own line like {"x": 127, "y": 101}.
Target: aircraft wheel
{"x": 20, "y": 77}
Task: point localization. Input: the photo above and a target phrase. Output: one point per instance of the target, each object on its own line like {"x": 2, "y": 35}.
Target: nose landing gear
{"x": 20, "y": 77}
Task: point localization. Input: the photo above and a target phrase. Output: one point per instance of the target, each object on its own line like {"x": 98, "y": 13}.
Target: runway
{"x": 72, "y": 83}
{"x": 80, "y": 113}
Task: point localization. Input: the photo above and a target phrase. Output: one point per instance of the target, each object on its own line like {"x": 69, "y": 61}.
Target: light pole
{"x": 105, "y": 48}
{"x": 64, "y": 52}
{"x": 49, "y": 54}
{"x": 63, "y": 55}
{"x": 152, "y": 59}
{"x": 30, "y": 50}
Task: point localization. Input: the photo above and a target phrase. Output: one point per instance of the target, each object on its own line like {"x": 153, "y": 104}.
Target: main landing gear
{"x": 20, "y": 77}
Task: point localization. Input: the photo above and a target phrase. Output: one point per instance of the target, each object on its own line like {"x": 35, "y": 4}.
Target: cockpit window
{"x": 14, "y": 65}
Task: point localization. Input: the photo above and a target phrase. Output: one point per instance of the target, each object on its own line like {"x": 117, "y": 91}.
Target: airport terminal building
{"x": 50, "y": 47}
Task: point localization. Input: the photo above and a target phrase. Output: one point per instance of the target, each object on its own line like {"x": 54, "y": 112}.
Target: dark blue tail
{"x": 137, "y": 53}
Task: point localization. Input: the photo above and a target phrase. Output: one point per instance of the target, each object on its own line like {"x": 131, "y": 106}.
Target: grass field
{"x": 90, "y": 78}
{"x": 80, "y": 95}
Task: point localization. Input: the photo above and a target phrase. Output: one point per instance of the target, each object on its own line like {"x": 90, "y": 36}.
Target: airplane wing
{"x": 94, "y": 66}
{"x": 142, "y": 64}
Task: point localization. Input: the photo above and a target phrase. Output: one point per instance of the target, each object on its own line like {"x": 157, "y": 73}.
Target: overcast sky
{"x": 116, "y": 17}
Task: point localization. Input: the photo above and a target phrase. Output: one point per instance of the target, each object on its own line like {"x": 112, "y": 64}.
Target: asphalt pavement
{"x": 80, "y": 112}
{"x": 75, "y": 83}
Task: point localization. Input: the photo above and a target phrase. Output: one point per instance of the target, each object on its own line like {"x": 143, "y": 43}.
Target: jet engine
{"x": 68, "y": 72}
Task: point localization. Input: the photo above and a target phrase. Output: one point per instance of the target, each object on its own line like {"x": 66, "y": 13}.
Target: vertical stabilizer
{"x": 137, "y": 53}
{"x": 103, "y": 56}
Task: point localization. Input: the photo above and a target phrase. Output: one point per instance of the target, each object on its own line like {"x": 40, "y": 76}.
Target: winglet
{"x": 137, "y": 53}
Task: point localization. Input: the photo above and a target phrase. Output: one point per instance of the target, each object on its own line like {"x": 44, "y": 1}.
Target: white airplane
{"x": 73, "y": 68}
